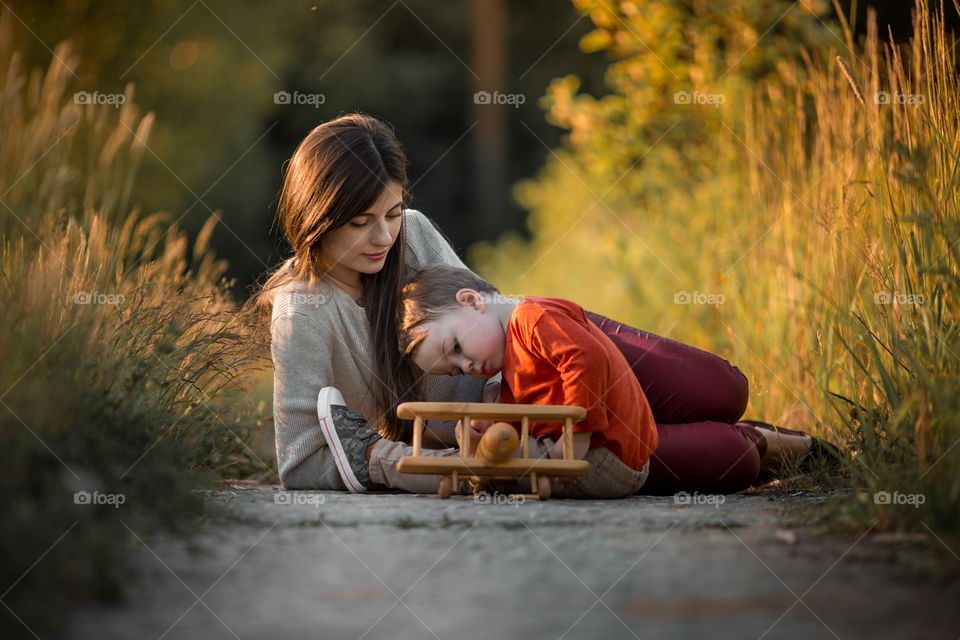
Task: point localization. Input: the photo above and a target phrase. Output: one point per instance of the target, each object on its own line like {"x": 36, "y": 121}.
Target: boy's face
{"x": 468, "y": 340}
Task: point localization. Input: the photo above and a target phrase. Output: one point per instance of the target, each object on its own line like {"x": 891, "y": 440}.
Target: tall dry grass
{"x": 825, "y": 223}
{"x": 859, "y": 160}
{"x": 124, "y": 359}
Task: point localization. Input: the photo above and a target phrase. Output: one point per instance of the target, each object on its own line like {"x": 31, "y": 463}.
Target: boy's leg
{"x": 608, "y": 478}
{"x": 682, "y": 383}
{"x": 708, "y": 457}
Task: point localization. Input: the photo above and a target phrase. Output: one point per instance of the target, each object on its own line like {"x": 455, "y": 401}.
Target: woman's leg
{"x": 385, "y": 457}
{"x": 707, "y": 457}
{"x": 683, "y": 384}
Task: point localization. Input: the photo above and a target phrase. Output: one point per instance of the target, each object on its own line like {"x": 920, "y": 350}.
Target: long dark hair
{"x": 337, "y": 172}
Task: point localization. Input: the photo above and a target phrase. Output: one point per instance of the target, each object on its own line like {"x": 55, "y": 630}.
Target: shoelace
{"x": 356, "y": 415}
{"x": 365, "y": 432}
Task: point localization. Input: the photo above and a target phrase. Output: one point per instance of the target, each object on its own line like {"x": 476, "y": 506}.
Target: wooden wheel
{"x": 445, "y": 489}
{"x": 543, "y": 487}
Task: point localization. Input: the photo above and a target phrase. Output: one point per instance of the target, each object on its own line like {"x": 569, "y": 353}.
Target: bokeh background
{"x": 209, "y": 69}
{"x": 775, "y": 182}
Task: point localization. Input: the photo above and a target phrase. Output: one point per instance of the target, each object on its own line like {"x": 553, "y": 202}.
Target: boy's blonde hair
{"x": 431, "y": 294}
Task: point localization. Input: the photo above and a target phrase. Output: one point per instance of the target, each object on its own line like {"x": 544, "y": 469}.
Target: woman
{"x": 338, "y": 374}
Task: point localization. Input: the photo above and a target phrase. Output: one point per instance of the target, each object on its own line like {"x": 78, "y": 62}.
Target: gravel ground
{"x": 305, "y": 564}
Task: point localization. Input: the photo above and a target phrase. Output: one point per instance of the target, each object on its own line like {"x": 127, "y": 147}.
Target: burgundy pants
{"x": 697, "y": 399}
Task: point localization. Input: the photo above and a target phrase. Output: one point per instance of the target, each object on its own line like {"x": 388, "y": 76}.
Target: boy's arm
{"x": 577, "y": 356}
{"x": 581, "y": 444}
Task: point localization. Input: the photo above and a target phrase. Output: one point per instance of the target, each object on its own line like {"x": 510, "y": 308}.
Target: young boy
{"x": 548, "y": 352}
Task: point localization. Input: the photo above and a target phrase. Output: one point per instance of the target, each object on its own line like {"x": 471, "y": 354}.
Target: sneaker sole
{"x": 771, "y": 427}
{"x": 333, "y": 441}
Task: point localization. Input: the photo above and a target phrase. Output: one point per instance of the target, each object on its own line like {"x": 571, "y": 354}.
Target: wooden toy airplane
{"x": 494, "y": 456}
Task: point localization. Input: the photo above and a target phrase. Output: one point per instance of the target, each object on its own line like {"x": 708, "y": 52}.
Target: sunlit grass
{"x": 828, "y": 224}
{"x": 125, "y": 360}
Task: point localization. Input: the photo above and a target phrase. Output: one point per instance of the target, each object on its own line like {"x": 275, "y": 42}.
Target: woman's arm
{"x": 426, "y": 243}
{"x": 427, "y": 246}
{"x": 491, "y": 390}
{"x": 300, "y": 370}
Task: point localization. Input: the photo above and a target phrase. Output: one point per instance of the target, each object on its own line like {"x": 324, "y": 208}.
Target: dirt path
{"x": 326, "y": 565}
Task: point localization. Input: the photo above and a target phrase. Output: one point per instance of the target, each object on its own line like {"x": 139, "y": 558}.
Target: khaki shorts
{"x": 609, "y": 477}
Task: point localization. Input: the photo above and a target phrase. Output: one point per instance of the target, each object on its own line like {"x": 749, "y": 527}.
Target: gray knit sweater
{"x": 320, "y": 338}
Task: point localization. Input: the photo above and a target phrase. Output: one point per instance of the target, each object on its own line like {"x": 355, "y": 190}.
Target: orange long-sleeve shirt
{"x": 555, "y": 355}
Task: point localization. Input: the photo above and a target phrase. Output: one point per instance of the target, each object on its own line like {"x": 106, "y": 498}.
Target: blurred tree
{"x": 210, "y": 69}
{"x": 488, "y": 57}
{"x": 630, "y": 157}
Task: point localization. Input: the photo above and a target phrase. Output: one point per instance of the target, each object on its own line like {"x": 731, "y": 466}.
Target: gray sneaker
{"x": 347, "y": 435}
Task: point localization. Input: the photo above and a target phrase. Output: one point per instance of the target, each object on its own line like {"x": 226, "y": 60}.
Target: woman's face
{"x": 361, "y": 245}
